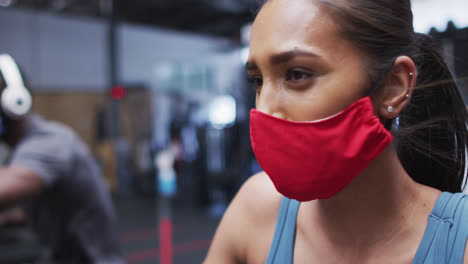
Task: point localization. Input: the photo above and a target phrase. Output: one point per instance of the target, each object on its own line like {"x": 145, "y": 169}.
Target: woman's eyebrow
{"x": 251, "y": 66}
{"x": 283, "y": 57}
{"x": 289, "y": 55}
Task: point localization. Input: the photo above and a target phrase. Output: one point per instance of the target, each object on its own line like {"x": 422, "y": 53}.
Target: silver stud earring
{"x": 390, "y": 109}
{"x": 407, "y": 95}
{"x": 410, "y": 74}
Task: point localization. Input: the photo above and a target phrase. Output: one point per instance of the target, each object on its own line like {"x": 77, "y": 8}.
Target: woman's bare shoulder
{"x": 260, "y": 197}
{"x": 250, "y": 218}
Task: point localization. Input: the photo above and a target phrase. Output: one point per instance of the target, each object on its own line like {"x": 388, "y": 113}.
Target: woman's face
{"x": 302, "y": 68}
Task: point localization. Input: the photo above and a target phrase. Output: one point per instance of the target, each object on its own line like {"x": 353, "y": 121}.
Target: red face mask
{"x": 316, "y": 160}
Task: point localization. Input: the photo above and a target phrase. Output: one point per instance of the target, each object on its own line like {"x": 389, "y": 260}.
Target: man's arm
{"x": 17, "y": 184}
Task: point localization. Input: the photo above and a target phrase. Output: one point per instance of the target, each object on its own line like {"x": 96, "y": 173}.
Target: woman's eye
{"x": 297, "y": 75}
{"x": 256, "y": 81}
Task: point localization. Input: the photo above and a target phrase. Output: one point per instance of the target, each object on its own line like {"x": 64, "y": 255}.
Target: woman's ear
{"x": 397, "y": 89}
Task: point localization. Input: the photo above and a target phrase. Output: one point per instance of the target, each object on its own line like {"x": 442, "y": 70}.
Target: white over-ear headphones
{"x": 15, "y": 99}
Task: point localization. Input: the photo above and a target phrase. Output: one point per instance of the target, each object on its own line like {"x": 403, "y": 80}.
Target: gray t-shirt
{"x": 73, "y": 217}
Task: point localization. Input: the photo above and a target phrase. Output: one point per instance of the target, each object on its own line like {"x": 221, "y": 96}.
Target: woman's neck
{"x": 379, "y": 205}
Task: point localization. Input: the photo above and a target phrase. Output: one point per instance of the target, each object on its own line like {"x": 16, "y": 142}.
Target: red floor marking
{"x": 192, "y": 246}
{"x": 165, "y": 240}
{"x": 145, "y": 255}
{"x": 179, "y": 249}
{"x": 145, "y": 234}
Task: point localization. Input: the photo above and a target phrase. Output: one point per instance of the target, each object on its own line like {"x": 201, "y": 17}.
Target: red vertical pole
{"x": 165, "y": 231}
{"x": 165, "y": 240}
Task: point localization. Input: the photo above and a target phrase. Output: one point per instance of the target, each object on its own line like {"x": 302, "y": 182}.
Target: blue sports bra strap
{"x": 282, "y": 247}
{"x": 428, "y": 238}
{"x": 459, "y": 234}
{"x": 441, "y": 255}
{"x": 432, "y": 229}
{"x": 451, "y": 233}
{"x": 282, "y": 214}
{"x": 440, "y": 206}
{"x": 446, "y": 219}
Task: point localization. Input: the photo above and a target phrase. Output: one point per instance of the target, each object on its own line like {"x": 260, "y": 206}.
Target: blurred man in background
{"x": 54, "y": 175}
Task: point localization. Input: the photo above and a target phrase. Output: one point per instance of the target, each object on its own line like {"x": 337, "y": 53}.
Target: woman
{"x": 358, "y": 118}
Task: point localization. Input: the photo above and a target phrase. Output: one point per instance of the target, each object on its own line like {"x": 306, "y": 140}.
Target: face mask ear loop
{"x": 381, "y": 79}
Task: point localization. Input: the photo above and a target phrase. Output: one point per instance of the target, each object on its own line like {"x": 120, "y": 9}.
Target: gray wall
{"x": 58, "y": 52}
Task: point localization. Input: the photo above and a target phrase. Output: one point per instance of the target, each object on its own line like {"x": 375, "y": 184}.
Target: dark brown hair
{"x": 431, "y": 132}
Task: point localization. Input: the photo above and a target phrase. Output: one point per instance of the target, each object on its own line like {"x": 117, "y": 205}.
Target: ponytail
{"x": 432, "y": 133}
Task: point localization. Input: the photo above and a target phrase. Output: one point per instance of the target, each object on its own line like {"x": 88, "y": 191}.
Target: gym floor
{"x": 138, "y": 231}
{"x": 192, "y": 231}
